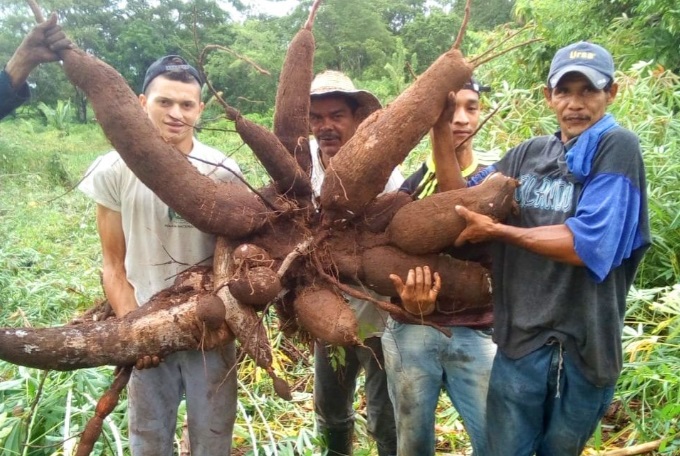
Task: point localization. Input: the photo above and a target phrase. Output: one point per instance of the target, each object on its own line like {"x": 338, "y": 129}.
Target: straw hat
{"x": 331, "y": 82}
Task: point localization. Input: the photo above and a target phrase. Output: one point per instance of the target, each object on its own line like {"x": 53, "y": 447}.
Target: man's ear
{"x": 611, "y": 94}
{"x": 143, "y": 100}
{"x": 547, "y": 93}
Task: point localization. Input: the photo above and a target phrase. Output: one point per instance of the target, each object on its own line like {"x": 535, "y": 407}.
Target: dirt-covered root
{"x": 256, "y": 287}
{"x": 291, "y": 112}
{"x": 326, "y": 315}
{"x": 381, "y": 210}
{"x": 287, "y": 175}
{"x": 467, "y": 283}
{"x": 118, "y": 342}
{"x": 432, "y": 224}
{"x": 285, "y": 311}
{"x": 250, "y": 256}
{"x": 210, "y": 310}
{"x": 243, "y": 320}
{"x": 209, "y": 206}
{"x": 353, "y": 178}
{"x": 106, "y": 404}
{"x": 196, "y": 278}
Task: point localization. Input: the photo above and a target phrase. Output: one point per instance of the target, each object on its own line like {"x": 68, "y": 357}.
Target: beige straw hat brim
{"x": 337, "y": 83}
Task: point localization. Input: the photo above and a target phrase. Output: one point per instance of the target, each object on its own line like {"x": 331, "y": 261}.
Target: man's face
{"x": 578, "y": 104}
{"x": 174, "y": 107}
{"x": 466, "y": 116}
{"x": 332, "y": 123}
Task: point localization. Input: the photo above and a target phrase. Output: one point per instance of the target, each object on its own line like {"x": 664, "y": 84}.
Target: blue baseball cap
{"x": 591, "y": 60}
{"x": 169, "y": 64}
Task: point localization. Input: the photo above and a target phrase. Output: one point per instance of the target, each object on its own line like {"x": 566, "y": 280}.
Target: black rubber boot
{"x": 339, "y": 441}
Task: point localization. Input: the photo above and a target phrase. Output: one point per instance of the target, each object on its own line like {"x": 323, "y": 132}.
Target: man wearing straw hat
{"x": 337, "y": 108}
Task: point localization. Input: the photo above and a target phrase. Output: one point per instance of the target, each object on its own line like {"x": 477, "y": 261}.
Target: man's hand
{"x": 41, "y": 45}
{"x": 147, "y": 362}
{"x": 418, "y": 294}
{"x": 479, "y": 227}
{"x": 446, "y": 116}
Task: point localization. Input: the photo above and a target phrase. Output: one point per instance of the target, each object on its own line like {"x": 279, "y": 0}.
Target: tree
{"x": 355, "y": 43}
{"x": 487, "y": 14}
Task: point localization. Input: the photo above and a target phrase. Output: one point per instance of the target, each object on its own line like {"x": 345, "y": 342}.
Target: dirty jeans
{"x": 420, "y": 361}
{"x": 542, "y": 404}
{"x": 334, "y": 393}
{"x": 207, "y": 380}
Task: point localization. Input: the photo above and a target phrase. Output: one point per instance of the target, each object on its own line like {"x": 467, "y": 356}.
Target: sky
{"x": 273, "y": 8}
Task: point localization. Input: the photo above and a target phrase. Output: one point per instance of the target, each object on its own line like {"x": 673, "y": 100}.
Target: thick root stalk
{"x": 291, "y": 113}
{"x": 325, "y": 315}
{"x": 118, "y": 342}
{"x": 104, "y": 407}
{"x": 281, "y": 166}
{"x": 353, "y": 177}
{"x": 431, "y": 225}
{"x": 243, "y": 320}
{"x": 467, "y": 283}
{"x": 209, "y": 206}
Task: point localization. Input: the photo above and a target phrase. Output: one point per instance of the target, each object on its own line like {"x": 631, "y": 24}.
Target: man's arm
{"x": 553, "y": 241}
{"x": 41, "y": 45}
{"x": 447, "y": 168}
{"x": 118, "y": 290}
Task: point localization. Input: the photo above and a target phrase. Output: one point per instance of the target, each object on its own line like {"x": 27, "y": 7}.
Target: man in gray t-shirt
{"x": 145, "y": 244}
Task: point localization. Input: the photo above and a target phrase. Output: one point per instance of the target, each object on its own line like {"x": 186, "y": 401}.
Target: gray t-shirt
{"x": 535, "y": 298}
{"x": 159, "y": 242}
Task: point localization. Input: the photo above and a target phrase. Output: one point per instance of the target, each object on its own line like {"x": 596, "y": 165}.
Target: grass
{"x": 50, "y": 262}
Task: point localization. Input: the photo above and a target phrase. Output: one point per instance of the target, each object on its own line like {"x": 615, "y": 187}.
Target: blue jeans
{"x": 207, "y": 381}
{"x": 334, "y": 396}
{"x": 541, "y": 404}
{"x": 420, "y": 361}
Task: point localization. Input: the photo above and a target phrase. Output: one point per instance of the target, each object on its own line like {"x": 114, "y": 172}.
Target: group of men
{"x": 530, "y": 372}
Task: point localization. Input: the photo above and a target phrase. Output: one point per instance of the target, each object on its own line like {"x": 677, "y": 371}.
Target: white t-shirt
{"x": 371, "y": 319}
{"x": 159, "y": 242}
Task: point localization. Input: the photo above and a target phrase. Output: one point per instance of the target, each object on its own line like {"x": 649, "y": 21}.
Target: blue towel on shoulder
{"x": 580, "y": 157}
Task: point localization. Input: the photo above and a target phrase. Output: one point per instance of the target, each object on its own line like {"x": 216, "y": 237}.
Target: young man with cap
{"x": 41, "y": 45}
{"x": 145, "y": 244}
{"x": 337, "y": 108}
{"x": 419, "y": 359}
{"x": 563, "y": 265}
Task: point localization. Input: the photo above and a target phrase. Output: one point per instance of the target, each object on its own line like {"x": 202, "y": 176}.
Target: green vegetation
{"x": 49, "y": 249}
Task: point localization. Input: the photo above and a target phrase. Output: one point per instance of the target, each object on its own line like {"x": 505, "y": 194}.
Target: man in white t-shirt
{"x": 145, "y": 244}
{"x": 337, "y": 108}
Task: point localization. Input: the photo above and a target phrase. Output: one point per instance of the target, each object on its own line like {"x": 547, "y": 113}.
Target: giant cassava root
{"x": 281, "y": 222}
{"x": 291, "y": 113}
{"x": 166, "y": 325}
{"x": 210, "y": 206}
{"x": 430, "y": 225}
{"x": 353, "y": 177}
{"x": 333, "y": 235}
{"x": 324, "y": 312}
{"x": 106, "y": 404}
{"x": 243, "y": 321}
